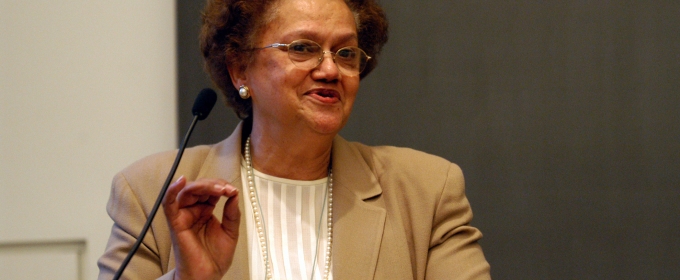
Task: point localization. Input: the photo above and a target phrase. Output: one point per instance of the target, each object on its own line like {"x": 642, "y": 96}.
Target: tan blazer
{"x": 398, "y": 214}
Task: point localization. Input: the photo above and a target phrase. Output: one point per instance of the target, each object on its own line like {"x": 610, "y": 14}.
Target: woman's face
{"x": 287, "y": 98}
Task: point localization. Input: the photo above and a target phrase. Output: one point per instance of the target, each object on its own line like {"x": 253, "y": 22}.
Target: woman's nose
{"x": 328, "y": 69}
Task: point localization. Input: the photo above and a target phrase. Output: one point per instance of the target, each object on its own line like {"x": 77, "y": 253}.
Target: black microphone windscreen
{"x": 204, "y": 103}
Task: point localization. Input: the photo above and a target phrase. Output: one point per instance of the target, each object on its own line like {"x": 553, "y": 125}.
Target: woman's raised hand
{"x": 204, "y": 247}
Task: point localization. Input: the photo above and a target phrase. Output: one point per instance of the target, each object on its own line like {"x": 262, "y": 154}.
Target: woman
{"x": 284, "y": 197}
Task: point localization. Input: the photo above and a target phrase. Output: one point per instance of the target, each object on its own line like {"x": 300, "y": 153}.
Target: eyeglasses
{"x": 307, "y": 54}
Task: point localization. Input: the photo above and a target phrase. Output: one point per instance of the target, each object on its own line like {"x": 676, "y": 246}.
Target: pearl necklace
{"x": 259, "y": 221}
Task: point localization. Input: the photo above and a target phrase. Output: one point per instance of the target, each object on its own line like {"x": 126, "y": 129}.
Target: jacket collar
{"x": 357, "y": 225}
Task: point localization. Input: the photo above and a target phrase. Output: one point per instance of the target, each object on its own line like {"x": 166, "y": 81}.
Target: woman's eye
{"x": 303, "y": 48}
{"x": 346, "y": 53}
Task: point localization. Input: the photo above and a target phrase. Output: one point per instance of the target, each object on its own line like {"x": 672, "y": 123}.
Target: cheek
{"x": 351, "y": 87}
{"x": 267, "y": 77}
{"x": 296, "y": 80}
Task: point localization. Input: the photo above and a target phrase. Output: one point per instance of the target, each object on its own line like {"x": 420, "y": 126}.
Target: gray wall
{"x": 562, "y": 114}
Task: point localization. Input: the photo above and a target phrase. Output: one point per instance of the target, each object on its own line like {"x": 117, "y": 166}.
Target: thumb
{"x": 231, "y": 216}
{"x": 170, "y": 196}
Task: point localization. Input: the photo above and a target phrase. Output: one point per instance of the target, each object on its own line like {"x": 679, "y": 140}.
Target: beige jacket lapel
{"x": 358, "y": 226}
{"x": 225, "y": 162}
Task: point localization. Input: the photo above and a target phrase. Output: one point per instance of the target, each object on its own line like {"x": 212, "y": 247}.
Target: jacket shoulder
{"x": 151, "y": 171}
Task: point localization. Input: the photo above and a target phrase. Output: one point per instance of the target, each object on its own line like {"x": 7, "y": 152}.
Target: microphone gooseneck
{"x": 202, "y": 106}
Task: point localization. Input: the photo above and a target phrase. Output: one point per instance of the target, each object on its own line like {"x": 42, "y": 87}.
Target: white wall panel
{"x": 56, "y": 260}
{"x": 86, "y": 88}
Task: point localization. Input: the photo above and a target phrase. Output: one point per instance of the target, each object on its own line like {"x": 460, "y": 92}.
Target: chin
{"x": 326, "y": 125}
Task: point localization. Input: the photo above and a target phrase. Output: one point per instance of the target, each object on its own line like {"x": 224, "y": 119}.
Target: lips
{"x": 324, "y": 95}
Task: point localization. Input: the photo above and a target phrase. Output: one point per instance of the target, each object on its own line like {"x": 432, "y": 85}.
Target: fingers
{"x": 204, "y": 191}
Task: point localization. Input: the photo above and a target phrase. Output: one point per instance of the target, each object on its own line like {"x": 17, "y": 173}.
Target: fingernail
{"x": 180, "y": 178}
{"x": 219, "y": 187}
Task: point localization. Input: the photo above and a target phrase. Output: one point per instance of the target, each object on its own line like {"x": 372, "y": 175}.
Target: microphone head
{"x": 204, "y": 103}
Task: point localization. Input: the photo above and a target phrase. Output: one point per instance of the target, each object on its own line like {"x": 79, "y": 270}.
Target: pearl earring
{"x": 244, "y": 92}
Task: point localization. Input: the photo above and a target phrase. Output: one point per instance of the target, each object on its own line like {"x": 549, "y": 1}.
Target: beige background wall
{"x": 86, "y": 87}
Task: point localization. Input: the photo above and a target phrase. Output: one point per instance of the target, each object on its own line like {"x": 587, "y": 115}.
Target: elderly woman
{"x": 284, "y": 197}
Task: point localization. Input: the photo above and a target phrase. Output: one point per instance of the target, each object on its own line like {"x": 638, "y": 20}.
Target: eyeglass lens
{"x": 308, "y": 54}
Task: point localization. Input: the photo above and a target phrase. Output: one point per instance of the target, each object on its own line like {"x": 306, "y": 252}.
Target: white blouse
{"x": 293, "y": 212}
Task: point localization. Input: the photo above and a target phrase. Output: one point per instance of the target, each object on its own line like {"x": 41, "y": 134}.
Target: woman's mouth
{"x": 325, "y": 95}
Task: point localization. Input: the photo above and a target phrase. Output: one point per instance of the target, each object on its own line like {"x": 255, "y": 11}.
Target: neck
{"x": 296, "y": 156}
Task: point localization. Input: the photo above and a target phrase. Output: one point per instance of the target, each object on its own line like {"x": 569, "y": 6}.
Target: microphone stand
{"x": 201, "y": 107}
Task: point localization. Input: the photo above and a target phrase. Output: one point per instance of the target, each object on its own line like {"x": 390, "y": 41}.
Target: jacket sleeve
{"x": 128, "y": 215}
{"x": 454, "y": 249}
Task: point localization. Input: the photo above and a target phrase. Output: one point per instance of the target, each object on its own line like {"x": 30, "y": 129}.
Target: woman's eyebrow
{"x": 314, "y": 36}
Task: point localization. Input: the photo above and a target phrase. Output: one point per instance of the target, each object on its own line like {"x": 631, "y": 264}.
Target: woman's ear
{"x": 238, "y": 76}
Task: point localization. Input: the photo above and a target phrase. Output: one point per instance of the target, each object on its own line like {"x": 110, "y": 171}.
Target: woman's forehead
{"x": 311, "y": 19}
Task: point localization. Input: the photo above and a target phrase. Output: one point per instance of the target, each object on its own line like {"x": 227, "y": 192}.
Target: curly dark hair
{"x": 230, "y": 28}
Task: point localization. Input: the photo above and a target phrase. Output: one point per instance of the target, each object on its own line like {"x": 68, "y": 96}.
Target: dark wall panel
{"x": 192, "y": 79}
{"x": 562, "y": 114}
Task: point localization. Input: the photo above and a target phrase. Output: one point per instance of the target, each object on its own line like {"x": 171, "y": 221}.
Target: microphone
{"x": 204, "y": 103}
{"x": 202, "y": 107}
